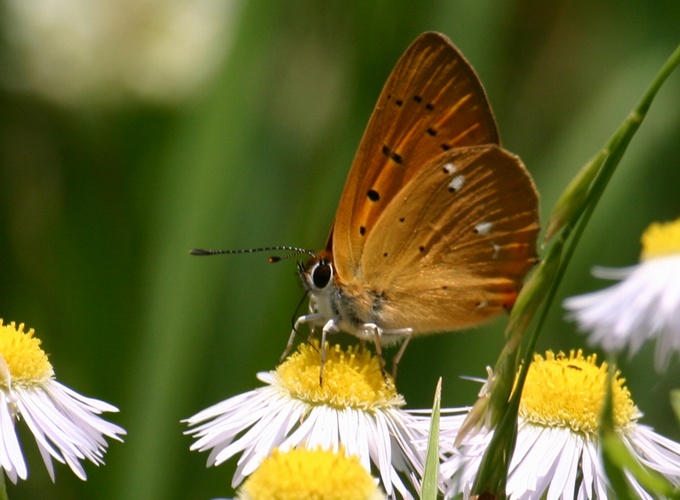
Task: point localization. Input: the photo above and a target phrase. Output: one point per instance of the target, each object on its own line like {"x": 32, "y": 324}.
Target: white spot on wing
{"x": 449, "y": 168}
{"x": 483, "y": 228}
{"x": 483, "y": 303}
{"x": 496, "y": 251}
{"x": 457, "y": 182}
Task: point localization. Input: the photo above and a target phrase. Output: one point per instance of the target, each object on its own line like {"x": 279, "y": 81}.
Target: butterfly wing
{"x": 432, "y": 102}
{"x": 452, "y": 248}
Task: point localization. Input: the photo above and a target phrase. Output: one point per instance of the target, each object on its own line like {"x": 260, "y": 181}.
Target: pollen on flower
{"x": 352, "y": 378}
{"x": 26, "y": 361}
{"x": 568, "y": 391}
{"x": 303, "y": 473}
{"x": 661, "y": 239}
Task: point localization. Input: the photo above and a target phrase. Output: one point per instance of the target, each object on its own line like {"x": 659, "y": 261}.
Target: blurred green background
{"x": 132, "y": 131}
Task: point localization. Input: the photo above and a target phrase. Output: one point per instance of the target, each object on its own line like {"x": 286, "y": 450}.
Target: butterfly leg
{"x": 307, "y": 318}
{"x": 312, "y": 327}
{"x": 397, "y": 357}
{"x": 377, "y": 335}
{"x": 332, "y": 327}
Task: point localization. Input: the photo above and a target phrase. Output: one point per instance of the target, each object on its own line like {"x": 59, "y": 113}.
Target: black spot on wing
{"x": 395, "y": 157}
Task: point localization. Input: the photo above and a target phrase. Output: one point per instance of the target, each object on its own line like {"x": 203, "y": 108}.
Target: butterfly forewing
{"x": 452, "y": 248}
{"x": 432, "y": 102}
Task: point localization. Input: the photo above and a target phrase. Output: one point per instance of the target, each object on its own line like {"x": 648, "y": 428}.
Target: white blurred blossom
{"x": 75, "y": 51}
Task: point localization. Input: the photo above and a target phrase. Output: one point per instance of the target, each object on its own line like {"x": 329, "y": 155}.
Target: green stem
{"x": 3, "y": 486}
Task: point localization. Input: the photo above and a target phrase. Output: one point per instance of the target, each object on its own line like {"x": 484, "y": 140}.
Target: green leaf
{"x": 431, "y": 474}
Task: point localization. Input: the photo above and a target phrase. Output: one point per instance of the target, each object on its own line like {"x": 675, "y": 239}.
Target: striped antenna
{"x": 295, "y": 250}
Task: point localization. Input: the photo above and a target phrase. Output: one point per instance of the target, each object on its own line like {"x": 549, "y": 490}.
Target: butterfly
{"x": 437, "y": 224}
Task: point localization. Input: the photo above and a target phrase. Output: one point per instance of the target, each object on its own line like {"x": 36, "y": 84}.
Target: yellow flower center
{"x": 351, "y": 378}
{"x": 25, "y": 363}
{"x": 661, "y": 239}
{"x": 302, "y": 474}
{"x": 568, "y": 391}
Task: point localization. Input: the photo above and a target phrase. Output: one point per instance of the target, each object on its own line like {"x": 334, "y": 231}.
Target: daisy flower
{"x": 300, "y": 474}
{"x": 557, "y": 454}
{"x": 65, "y": 424}
{"x": 355, "y": 410}
{"x": 643, "y": 305}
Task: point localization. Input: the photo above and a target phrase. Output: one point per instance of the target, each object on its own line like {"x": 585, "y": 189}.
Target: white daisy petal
{"x": 645, "y": 304}
{"x": 11, "y": 458}
{"x": 566, "y": 467}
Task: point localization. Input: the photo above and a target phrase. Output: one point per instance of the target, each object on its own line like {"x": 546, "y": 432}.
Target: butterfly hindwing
{"x": 453, "y": 246}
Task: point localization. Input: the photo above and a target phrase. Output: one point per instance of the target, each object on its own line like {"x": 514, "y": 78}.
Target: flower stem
{"x": 3, "y": 487}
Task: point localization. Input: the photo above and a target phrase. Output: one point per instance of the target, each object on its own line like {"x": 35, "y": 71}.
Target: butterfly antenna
{"x": 295, "y": 251}
{"x": 294, "y": 319}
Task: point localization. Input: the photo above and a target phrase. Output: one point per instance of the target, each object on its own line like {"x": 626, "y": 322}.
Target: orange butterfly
{"x": 437, "y": 223}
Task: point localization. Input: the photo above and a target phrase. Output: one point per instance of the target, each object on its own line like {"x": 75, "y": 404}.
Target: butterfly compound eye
{"x": 321, "y": 274}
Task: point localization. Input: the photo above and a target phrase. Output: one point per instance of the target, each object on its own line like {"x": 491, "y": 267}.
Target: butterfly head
{"x": 317, "y": 274}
